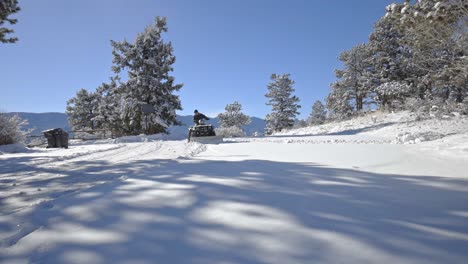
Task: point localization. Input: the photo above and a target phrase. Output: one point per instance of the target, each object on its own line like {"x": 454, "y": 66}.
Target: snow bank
{"x": 139, "y": 138}
{"x": 400, "y": 128}
{"x": 413, "y": 138}
{"x": 13, "y": 148}
{"x": 445, "y": 136}
{"x": 130, "y": 139}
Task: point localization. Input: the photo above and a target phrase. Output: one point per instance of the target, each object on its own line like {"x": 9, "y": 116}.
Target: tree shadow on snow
{"x": 252, "y": 211}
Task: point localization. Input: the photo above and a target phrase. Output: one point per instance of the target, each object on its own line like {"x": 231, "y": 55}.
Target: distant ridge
{"x": 43, "y": 121}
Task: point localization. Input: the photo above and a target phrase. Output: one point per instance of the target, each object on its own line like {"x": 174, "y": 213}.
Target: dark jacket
{"x": 198, "y": 117}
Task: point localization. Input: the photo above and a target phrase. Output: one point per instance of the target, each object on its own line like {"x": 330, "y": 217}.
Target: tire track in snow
{"x": 49, "y": 181}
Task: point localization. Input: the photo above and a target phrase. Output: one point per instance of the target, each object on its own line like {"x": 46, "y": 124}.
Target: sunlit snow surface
{"x": 379, "y": 189}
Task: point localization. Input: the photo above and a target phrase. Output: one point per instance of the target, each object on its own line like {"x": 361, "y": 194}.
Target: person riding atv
{"x": 198, "y": 118}
{"x": 201, "y": 132}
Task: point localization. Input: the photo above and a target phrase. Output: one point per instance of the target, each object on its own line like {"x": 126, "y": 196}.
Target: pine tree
{"x": 284, "y": 104}
{"x": 390, "y": 55}
{"x": 233, "y": 117}
{"x": 318, "y": 114}
{"x": 300, "y": 124}
{"x": 108, "y": 113}
{"x": 148, "y": 62}
{"x": 81, "y": 110}
{"x": 338, "y": 103}
{"x": 354, "y": 80}
{"x": 435, "y": 32}
{"x": 7, "y": 8}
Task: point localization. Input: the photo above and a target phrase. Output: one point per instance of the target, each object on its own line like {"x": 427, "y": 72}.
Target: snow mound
{"x": 14, "y": 148}
{"x": 413, "y": 138}
{"x": 400, "y": 128}
{"x": 125, "y": 139}
{"x": 139, "y": 138}
{"x": 192, "y": 149}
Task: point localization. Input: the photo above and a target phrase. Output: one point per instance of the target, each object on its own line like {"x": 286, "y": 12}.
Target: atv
{"x": 203, "y": 133}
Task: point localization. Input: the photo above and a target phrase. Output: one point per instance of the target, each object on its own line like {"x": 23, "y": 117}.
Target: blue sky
{"x": 226, "y": 49}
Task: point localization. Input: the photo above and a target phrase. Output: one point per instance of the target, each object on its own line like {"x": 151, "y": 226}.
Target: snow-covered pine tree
{"x": 435, "y": 31}
{"x": 391, "y": 57}
{"x": 108, "y": 113}
{"x": 318, "y": 114}
{"x": 233, "y": 117}
{"x": 354, "y": 79}
{"x": 301, "y": 123}
{"x": 148, "y": 61}
{"x": 338, "y": 104}
{"x": 81, "y": 110}
{"x": 284, "y": 104}
{"x": 7, "y": 8}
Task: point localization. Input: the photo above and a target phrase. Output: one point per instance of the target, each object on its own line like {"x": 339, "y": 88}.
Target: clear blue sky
{"x": 226, "y": 49}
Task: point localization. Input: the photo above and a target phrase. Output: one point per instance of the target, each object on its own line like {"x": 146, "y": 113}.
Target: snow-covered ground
{"x": 379, "y": 189}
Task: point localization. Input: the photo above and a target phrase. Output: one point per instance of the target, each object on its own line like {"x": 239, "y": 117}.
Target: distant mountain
{"x": 43, "y": 121}
{"x": 257, "y": 125}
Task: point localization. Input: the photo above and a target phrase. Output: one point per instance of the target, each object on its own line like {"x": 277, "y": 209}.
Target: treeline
{"x": 415, "y": 59}
{"x": 117, "y": 106}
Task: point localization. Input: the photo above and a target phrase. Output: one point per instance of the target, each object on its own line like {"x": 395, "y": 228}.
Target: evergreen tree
{"x": 108, "y": 113}
{"x": 318, "y": 114}
{"x": 148, "y": 62}
{"x": 300, "y": 124}
{"x": 284, "y": 104}
{"x": 338, "y": 103}
{"x": 7, "y": 8}
{"x": 355, "y": 80}
{"x": 233, "y": 117}
{"x": 416, "y": 53}
{"x": 81, "y": 110}
{"x": 391, "y": 57}
{"x": 436, "y": 33}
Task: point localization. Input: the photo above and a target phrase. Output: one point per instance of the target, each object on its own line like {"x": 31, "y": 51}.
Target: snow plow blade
{"x": 207, "y": 140}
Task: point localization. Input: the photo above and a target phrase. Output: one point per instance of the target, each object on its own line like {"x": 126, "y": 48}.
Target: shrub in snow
{"x": 391, "y": 95}
{"x": 456, "y": 109}
{"x": 230, "y": 131}
{"x": 233, "y": 116}
{"x": 415, "y": 105}
{"x": 413, "y": 138}
{"x": 10, "y": 129}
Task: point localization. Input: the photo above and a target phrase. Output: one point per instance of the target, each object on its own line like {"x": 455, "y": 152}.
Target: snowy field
{"x": 378, "y": 189}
